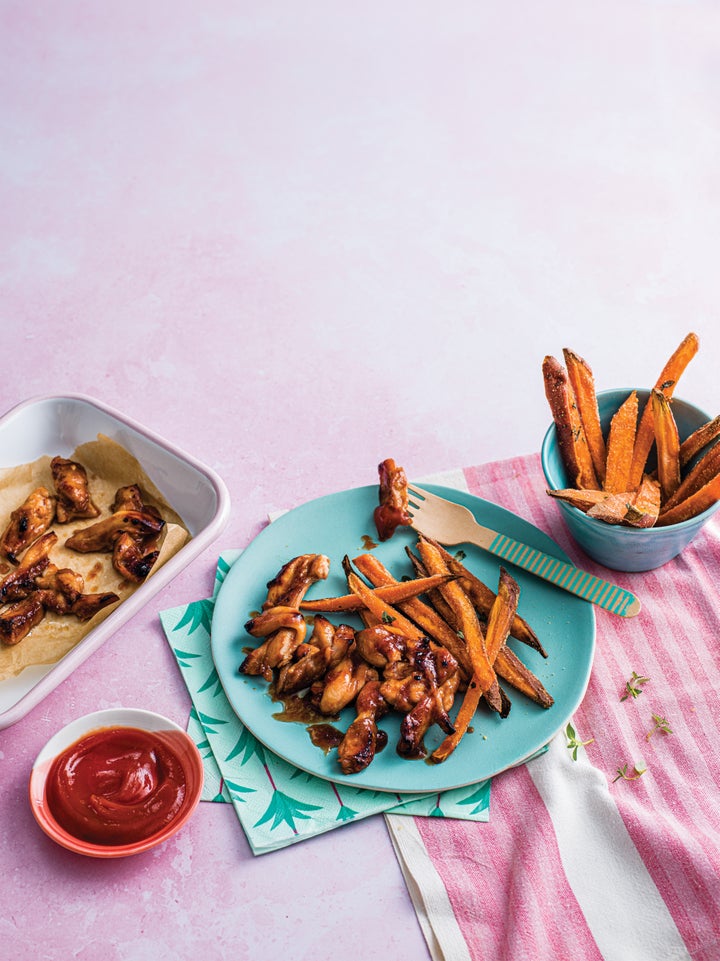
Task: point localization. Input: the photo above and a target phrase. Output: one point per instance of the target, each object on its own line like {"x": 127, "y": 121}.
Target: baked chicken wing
{"x": 27, "y": 523}
{"x": 285, "y": 630}
{"x": 73, "y": 494}
{"x": 392, "y": 511}
{"x": 359, "y": 745}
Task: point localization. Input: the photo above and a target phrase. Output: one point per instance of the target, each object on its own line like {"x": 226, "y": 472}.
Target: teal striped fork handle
{"x": 591, "y": 588}
{"x": 449, "y": 523}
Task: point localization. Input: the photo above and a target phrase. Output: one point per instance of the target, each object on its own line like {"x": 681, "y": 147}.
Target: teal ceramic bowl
{"x": 616, "y": 547}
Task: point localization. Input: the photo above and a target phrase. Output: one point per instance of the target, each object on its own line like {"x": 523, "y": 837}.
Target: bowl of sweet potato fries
{"x": 635, "y": 472}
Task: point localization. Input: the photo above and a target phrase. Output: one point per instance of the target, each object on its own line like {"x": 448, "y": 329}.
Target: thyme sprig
{"x": 659, "y": 724}
{"x": 639, "y": 768}
{"x": 633, "y": 687}
{"x": 573, "y": 741}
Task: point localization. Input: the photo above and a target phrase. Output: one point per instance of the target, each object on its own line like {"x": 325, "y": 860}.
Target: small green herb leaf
{"x": 574, "y": 742}
{"x": 633, "y": 687}
{"x": 659, "y": 724}
{"x": 639, "y": 768}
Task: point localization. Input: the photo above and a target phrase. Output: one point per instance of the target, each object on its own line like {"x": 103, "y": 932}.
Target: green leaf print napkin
{"x": 276, "y": 803}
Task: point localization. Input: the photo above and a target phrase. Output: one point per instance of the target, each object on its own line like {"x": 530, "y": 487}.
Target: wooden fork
{"x": 449, "y": 523}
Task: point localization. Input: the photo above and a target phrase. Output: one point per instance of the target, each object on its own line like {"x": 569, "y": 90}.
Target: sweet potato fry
{"x": 644, "y": 503}
{"x": 383, "y": 612}
{"x": 510, "y": 668}
{"x": 613, "y": 510}
{"x": 394, "y": 592}
{"x": 666, "y": 382}
{"x": 435, "y": 598}
{"x": 469, "y": 705}
{"x": 667, "y": 443}
{"x": 483, "y": 599}
{"x": 426, "y": 618}
{"x": 469, "y": 625}
{"x": 693, "y": 505}
{"x": 583, "y": 386}
{"x": 584, "y": 500}
{"x": 620, "y": 445}
{"x": 700, "y": 438}
{"x": 634, "y": 508}
{"x": 700, "y": 475}
{"x": 572, "y": 441}
{"x": 502, "y": 614}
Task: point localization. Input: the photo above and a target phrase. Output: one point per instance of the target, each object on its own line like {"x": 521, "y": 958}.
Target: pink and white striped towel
{"x": 573, "y": 863}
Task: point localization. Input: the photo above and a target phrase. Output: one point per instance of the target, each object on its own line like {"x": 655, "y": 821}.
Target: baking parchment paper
{"x": 109, "y": 466}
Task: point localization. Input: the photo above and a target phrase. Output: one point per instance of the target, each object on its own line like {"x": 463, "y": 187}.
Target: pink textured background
{"x": 294, "y": 240}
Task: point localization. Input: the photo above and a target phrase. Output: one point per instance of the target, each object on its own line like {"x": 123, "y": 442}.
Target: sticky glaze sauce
{"x": 117, "y": 785}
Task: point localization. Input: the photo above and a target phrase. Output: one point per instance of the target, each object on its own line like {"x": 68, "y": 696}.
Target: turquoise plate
{"x": 340, "y": 524}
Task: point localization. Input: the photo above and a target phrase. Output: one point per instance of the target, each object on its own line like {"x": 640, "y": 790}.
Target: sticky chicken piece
{"x": 21, "y": 581}
{"x": 295, "y": 578}
{"x": 73, "y": 493}
{"x": 128, "y": 498}
{"x": 27, "y": 523}
{"x": 405, "y": 683}
{"x": 403, "y": 688}
{"x": 102, "y": 536}
{"x": 285, "y": 590}
{"x": 431, "y": 709}
{"x": 421, "y": 683}
{"x": 325, "y": 649}
{"x": 285, "y": 629}
{"x": 380, "y": 646}
{"x": 132, "y": 560}
{"x": 135, "y": 554}
{"x": 392, "y": 511}
{"x": 18, "y": 619}
{"x": 88, "y": 605}
{"x": 59, "y": 588}
{"x": 359, "y": 745}
{"x": 343, "y": 683}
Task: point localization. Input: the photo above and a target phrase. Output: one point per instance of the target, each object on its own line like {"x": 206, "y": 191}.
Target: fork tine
{"x": 420, "y": 494}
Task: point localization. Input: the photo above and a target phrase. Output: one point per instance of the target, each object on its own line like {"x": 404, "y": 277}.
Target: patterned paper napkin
{"x": 276, "y": 803}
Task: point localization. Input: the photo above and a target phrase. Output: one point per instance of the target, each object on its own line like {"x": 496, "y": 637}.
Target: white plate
{"x": 57, "y": 425}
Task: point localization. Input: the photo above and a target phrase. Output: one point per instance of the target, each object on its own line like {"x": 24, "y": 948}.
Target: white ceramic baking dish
{"x": 57, "y": 425}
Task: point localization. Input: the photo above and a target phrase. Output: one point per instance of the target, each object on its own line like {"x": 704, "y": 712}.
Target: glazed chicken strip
{"x": 133, "y": 559}
{"x": 392, "y": 511}
{"x": 134, "y": 554}
{"x": 343, "y": 683}
{"x": 326, "y": 647}
{"x": 359, "y": 745}
{"x": 18, "y": 619}
{"x": 413, "y": 680}
{"x": 431, "y": 709}
{"x": 102, "y": 536}
{"x": 73, "y": 494}
{"x": 21, "y": 580}
{"x": 128, "y": 498}
{"x": 286, "y": 590}
{"x": 295, "y": 578}
{"x": 27, "y": 523}
{"x": 88, "y": 605}
{"x": 59, "y": 589}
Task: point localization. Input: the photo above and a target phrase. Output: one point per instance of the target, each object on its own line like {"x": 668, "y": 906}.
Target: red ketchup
{"x": 117, "y": 785}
